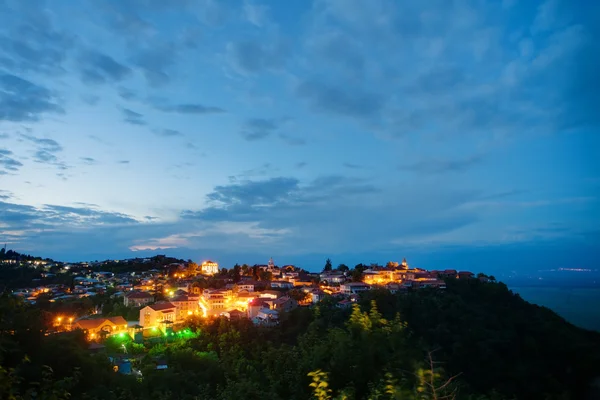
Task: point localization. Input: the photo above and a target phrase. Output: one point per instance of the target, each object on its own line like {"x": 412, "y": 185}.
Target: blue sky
{"x": 447, "y": 132}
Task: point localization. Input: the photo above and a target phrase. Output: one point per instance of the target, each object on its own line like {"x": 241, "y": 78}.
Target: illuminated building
{"x": 155, "y": 315}
{"x": 284, "y": 303}
{"x": 248, "y": 287}
{"x": 266, "y": 317}
{"x": 353, "y": 287}
{"x": 214, "y": 302}
{"x": 97, "y": 327}
{"x": 255, "y": 306}
{"x": 381, "y": 277}
{"x": 217, "y": 301}
{"x": 332, "y": 277}
{"x": 210, "y": 267}
{"x": 185, "y": 305}
{"x": 235, "y": 314}
{"x": 282, "y": 284}
{"x": 137, "y": 299}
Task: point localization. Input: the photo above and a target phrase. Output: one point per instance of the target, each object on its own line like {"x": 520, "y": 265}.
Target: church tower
{"x": 271, "y": 264}
{"x": 404, "y": 263}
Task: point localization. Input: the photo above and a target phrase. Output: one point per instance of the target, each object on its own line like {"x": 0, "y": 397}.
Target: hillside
{"x": 473, "y": 341}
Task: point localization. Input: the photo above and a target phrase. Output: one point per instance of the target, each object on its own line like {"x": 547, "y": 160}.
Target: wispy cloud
{"x": 190, "y": 109}
{"x": 439, "y": 166}
{"x": 7, "y": 162}
{"x": 292, "y": 140}
{"x": 46, "y": 144}
{"x": 250, "y": 57}
{"x": 353, "y": 166}
{"x": 167, "y": 132}
{"x": 47, "y": 151}
{"x": 22, "y": 100}
{"x": 132, "y": 117}
{"x": 256, "y": 14}
{"x": 346, "y": 101}
{"x": 259, "y": 128}
{"x": 89, "y": 160}
{"x": 99, "y": 68}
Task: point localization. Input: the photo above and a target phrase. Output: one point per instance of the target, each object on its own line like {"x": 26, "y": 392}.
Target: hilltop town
{"x": 162, "y": 327}
{"x": 158, "y": 295}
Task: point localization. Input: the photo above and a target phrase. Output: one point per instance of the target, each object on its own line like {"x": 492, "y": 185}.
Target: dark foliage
{"x": 484, "y": 343}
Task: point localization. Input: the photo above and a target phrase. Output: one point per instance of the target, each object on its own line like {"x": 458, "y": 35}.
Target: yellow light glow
{"x": 204, "y": 310}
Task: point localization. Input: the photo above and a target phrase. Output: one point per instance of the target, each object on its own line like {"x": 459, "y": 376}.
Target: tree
{"x": 328, "y": 265}
{"x": 265, "y": 276}
{"x": 298, "y": 295}
{"x": 357, "y": 272}
{"x": 343, "y": 268}
{"x": 357, "y": 275}
{"x": 192, "y": 268}
{"x": 320, "y": 385}
{"x": 235, "y": 273}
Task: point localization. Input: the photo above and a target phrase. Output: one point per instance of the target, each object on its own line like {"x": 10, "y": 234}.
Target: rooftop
{"x": 161, "y": 306}
{"x": 138, "y": 295}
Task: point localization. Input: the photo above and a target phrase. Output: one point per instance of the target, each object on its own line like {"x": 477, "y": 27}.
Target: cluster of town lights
{"x": 59, "y": 321}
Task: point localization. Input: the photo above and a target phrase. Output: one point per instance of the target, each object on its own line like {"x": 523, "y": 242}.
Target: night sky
{"x": 458, "y": 134}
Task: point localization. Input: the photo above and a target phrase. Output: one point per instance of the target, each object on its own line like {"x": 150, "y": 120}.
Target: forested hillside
{"x": 473, "y": 341}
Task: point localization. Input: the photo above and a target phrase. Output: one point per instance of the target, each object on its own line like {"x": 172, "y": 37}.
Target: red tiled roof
{"x": 118, "y": 320}
{"x": 87, "y": 324}
{"x": 450, "y": 271}
{"x": 96, "y": 323}
{"x": 138, "y": 295}
{"x": 257, "y": 302}
{"x": 161, "y": 306}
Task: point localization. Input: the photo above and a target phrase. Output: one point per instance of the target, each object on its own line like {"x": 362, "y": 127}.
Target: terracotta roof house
{"x": 137, "y": 299}
{"x": 235, "y": 314}
{"x": 270, "y": 294}
{"x": 99, "y": 326}
{"x": 465, "y": 275}
{"x": 153, "y": 315}
{"x": 353, "y": 287}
